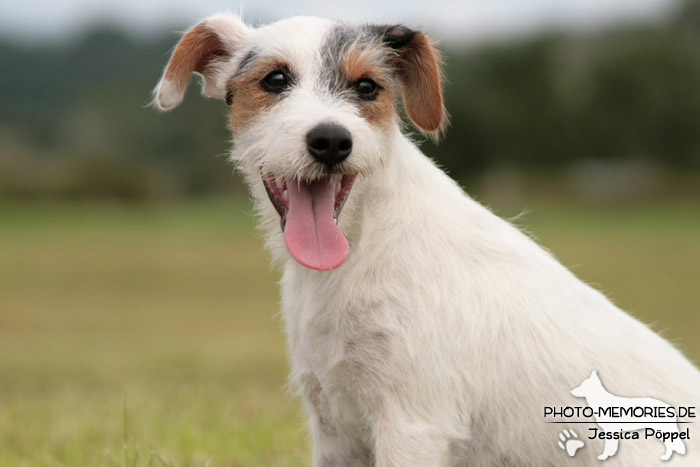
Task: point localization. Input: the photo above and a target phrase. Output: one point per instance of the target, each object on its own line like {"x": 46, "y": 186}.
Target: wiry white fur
{"x": 447, "y": 331}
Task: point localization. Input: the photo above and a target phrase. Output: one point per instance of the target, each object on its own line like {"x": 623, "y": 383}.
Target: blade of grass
{"x": 137, "y": 456}
{"x": 126, "y": 434}
{"x": 112, "y": 459}
{"x": 155, "y": 452}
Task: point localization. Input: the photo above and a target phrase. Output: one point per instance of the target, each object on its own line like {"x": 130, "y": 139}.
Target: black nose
{"x": 329, "y": 143}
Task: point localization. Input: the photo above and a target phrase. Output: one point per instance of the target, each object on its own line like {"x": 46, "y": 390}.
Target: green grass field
{"x": 122, "y": 326}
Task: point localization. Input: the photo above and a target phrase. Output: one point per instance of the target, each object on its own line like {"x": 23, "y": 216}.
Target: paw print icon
{"x": 569, "y": 442}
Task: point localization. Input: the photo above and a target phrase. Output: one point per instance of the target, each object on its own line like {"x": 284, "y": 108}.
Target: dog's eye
{"x": 276, "y": 82}
{"x": 367, "y": 89}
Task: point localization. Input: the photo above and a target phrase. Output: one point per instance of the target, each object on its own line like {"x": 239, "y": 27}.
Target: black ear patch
{"x": 395, "y": 36}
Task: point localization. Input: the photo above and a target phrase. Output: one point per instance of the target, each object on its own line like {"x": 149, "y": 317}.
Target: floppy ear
{"x": 417, "y": 63}
{"x": 206, "y": 49}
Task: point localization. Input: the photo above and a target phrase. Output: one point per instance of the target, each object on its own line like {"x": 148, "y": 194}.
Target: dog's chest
{"x": 326, "y": 337}
{"x": 328, "y": 378}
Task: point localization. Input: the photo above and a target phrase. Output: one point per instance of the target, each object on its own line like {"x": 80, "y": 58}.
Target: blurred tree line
{"x": 74, "y": 120}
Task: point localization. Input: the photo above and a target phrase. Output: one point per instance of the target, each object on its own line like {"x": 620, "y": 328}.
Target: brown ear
{"x": 205, "y": 49}
{"x": 418, "y": 65}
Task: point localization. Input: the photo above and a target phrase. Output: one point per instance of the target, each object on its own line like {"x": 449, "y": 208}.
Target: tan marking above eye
{"x": 249, "y": 96}
{"x": 364, "y": 61}
{"x": 368, "y": 61}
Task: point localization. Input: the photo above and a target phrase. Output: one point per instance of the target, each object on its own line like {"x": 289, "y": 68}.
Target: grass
{"x": 142, "y": 335}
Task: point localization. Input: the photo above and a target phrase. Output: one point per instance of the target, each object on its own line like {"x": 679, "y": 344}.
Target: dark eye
{"x": 366, "y": 88}
{"x": 277, "y": 81}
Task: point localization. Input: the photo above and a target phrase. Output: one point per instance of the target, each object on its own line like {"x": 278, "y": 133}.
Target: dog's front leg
{"x": 402, "y": 443}
{"x": 331, "y": 446}
{"x": 382, "y": 379}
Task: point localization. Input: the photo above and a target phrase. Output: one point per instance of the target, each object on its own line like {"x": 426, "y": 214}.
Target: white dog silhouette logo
{"x": 598, "y": 397}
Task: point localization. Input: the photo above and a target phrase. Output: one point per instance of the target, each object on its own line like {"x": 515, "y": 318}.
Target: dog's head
{"x": 312, "y": 112}
{"x": 589, "y": 386}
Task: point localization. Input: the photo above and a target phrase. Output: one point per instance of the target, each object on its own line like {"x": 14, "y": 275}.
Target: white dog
{"x": 422, "y": 329}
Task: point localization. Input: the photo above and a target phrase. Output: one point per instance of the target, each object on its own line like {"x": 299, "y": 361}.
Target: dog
{"x": 597, "y": 397}
{"x": 422, "y": 329}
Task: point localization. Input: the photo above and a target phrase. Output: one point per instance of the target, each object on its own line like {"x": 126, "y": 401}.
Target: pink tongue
{"x": 310, "y": 233}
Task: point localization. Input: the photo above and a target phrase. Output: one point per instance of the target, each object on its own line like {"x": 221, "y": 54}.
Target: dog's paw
{"x": 569, "y": 442}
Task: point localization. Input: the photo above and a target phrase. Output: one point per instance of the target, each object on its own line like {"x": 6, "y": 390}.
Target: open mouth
{"x": 309, "y": 218}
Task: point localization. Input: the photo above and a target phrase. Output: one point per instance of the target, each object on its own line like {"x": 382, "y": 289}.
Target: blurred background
{"x": 138, "y": 310}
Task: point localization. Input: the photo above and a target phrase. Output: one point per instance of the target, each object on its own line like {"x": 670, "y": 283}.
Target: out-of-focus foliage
{"x": 74, "y": 121}
{"x": 629, "y": 93}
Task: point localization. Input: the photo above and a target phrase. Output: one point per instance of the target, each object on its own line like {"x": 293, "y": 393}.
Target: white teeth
{"x": 336, "y": 220}
{"x": 337, "y": 187}
{"x": 285, "y": 195}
